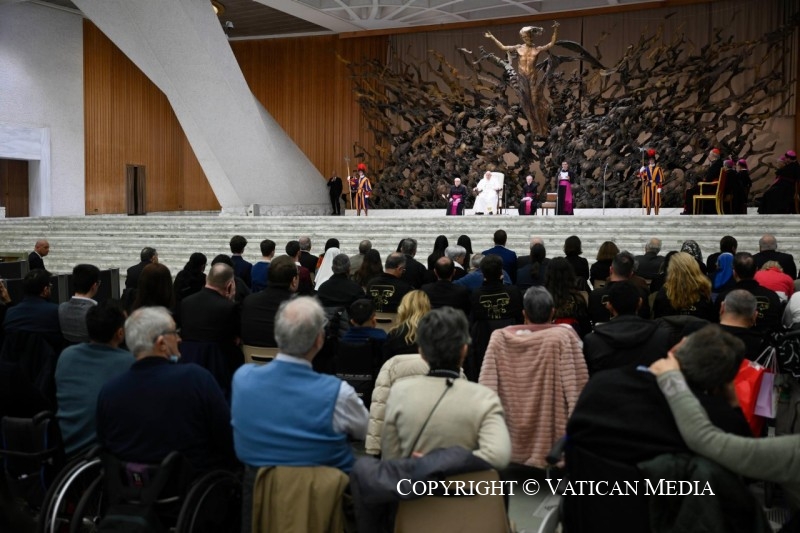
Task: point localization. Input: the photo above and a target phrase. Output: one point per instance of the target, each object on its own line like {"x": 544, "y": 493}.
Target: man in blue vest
{"x": 285, "y": 413}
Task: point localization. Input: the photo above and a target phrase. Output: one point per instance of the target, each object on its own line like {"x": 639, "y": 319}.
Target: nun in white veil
{"x": 326, "y": 268}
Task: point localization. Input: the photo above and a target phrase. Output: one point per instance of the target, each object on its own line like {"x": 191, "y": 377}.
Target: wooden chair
{"x": 386, "y": 321}
{"x": 714, "y": 191}
{"x": 552, "y": 199}
{"x": 258, "y": 354}
{"x": 486, "y": 514}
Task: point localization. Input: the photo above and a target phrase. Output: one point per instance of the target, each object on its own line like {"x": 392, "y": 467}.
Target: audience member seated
{"x": 356, "y": 260}
{"x": 580, "y": 266}
{"x": 259, "y": 309}
{"x": 35, "y": 313}
{"x": 157, "y": 407}
{"x": 474, "y": 279}
{"x": 241, "y": 267}
{"x": 338, "y": 290}
{"x": 72, "y": 313}
{"x": 242, "y": 289}
{"x": 686, "y": 291}
{"x": 414, "y": 271}
{"x": 83, "y": 369}
{"x": 310, "y": 415}
{"x": 647, "y": 264}
{"x": 146, "y": 256}
{"x": 402, "y": 338}
{"x": 769, "y": 305}
{"x": 771, "y": 277}
{"x": 306, "y": 258}
{"x": 260, "y": 271}
{"x": 325, "y": 266}
{"x": 693, "y": 249}
{"x": 537, "y": 359}
{"x": 570, "y": 303}
{"x": 306, "y": 284}
{"x": 768, "y": 251}
{"x": 424, "y": 413}
{"x": 371, "y": 267}
{"x": 738, "y": 314}
{"x": 532, "y": 274}
{"x": 397, "y": 368}
{"x": 211, "y": 315}
{"x": 155, "y": 288}
{"x": 622, "y": 419}
{"x": 627, "y": 339}
{"x": 509, "y": 257}
{"x": 774, "y": 459}
{"x": 443, "y": 292}
{"x": 191, "y": 279}
{"x": 621, "y": 270}
{"x": 458, "y": 255}
{"x": 439, "y": 247}
{"x": 494, "y": 306}
{"x": 605, "y": 255}
{"x": 388, "y": 288}
{"x": 362, "y": 323}
{"x": 726, "y": 244}
{"x": 723, "y": 279}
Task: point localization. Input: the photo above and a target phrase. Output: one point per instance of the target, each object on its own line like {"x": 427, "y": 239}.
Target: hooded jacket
{"x": 626, "y": 340}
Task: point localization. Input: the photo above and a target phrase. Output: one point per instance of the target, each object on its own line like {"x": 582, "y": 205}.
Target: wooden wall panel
{"x": 128, "y": 120}
{"x": 308, "y": 91}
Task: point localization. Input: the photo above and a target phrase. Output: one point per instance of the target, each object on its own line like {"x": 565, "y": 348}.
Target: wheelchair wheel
{"x": 90, "y": 508}
{"x": 65, "y": 495}
{"x": 213, "y": 504}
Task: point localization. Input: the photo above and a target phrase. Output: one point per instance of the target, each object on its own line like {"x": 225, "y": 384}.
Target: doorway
{"x": 135, "y": 194}
{"x": 14, "y": 187}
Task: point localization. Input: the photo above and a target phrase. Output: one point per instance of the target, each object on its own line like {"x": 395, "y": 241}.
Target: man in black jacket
{"x": 770, "y": 310}
{"x": 768, "y": 251}
{"x": 211, "y": 315}
{"x": 626, "y": 339}
{"x": 339, "y": 290}
{"x": 443, "y": 292}
{"x": 259, "y": 309}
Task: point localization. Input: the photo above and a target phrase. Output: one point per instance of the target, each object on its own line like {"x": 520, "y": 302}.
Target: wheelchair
{"x": 96, "y": 491}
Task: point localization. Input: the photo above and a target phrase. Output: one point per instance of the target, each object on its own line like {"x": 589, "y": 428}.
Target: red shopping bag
{"x": 748, "y": 383}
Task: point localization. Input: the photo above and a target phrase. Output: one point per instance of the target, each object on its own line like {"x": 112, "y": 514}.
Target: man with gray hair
{"x": 356, "y": 260}
{"x": 457, "y": 254}
{"x": 737, "y": 315}
{"x": 414, "y": 273}
{"x": 649, "y": 263}
{"x": 339, "y": 290}
{"x": 768, "y": 251}
{"x": 306, "y": 259}
{"x": 536, "y": 356}
{"x": 158, "y": 407}
{"x": 310, "y": 415}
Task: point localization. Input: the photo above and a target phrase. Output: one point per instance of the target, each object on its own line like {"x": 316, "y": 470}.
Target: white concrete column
{"x": 246, "y": 156}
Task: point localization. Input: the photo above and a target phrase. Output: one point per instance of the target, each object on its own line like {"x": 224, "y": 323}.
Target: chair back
{"x": 298, "y": 498}
{"x": 258, "y": 354}
{"x": 385, "y": 321}
{"x": 550, "y": 202}
{"x": 720, "y": 195}
{"x": 358, "y": 364}
{"x": 486, "y": 514}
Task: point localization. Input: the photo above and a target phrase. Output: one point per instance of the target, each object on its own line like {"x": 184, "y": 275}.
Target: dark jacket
{"x": 339, "y": 291}
{"x": 785, "y": 260}
{"x": 387, "y": 291}
{"x": 309, "y": 261}
{"x": 444, "y": 293}
{"x": 242, "y": 268}
{"x": 509, "y": 258}
{"x": 648, "y": 264}
{"x": 258, "y": 315}
{"x": 599, "y": 297}
{"x": 208, "y": 316}
{"x": 414, "y": 273}
{"x": 770, "y": 310}
{"x": 626, "y": 340}
{"x": 35, "y": 261}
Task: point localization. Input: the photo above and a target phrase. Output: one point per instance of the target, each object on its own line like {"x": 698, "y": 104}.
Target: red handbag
{"x": 748, "y": 383}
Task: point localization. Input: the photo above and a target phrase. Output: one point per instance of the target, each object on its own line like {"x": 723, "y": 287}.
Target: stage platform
{"x": 114, "y": 241}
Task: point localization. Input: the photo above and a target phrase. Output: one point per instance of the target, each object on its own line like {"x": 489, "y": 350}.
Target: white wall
{"x": 41, "y": 88}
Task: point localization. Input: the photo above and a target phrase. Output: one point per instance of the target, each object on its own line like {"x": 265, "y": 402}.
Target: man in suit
{"x": 40, "y": 250}
{"x": 768, "y": 251}
{"x": 509, "y": 257}
{"x": 259, "y": 309}
{"x": 72, "y": 313}
{"x": 146, "y": 256}
{"x": 649, "y": 263}
{"x": 442, "y": 292}
{"x": 35, "y": 313}
{"x": 241, "y": 267}
{"x": 306, "y": 259}
{"x": 414, "y": 273}
{"x": 211, "y": 315}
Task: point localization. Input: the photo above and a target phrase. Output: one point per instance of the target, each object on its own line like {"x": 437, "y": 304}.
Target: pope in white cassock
{"x": 486, "y": 201}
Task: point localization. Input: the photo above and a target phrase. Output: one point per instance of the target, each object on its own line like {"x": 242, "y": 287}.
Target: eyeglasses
{"x": 168, "y": 332}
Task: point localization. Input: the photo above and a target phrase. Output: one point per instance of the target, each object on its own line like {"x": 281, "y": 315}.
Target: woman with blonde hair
{"x": 686, "y": 290}
{"x": 403, "y": 337}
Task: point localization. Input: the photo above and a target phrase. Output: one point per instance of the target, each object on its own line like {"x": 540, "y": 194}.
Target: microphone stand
{"x": 604, "y": 189}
